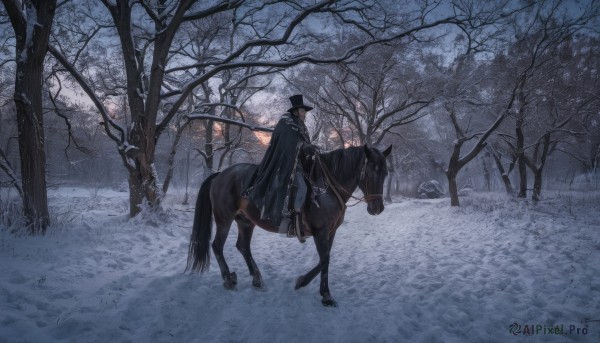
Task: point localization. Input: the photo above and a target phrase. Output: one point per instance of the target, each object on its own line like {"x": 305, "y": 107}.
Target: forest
{"x": 142, "y": 95}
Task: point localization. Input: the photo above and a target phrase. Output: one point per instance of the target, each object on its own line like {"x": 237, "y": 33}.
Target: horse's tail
{"x": 199, "y": 250}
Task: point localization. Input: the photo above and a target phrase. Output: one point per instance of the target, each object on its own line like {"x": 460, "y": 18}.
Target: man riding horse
{"x": 339, "y": 173}
{"x": 279, "y": 188}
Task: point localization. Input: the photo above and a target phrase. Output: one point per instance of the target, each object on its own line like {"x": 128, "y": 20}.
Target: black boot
{"x": 298, "y": 226}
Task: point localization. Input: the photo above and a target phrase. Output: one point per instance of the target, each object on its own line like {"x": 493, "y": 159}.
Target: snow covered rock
{"x": 430, "y": 190}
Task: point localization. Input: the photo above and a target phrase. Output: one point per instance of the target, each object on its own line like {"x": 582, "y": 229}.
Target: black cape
{"x": 271, "y": 183}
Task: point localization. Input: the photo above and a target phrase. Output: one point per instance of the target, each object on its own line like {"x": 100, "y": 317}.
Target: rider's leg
{"x": 301, "y": 190}
{"x": 299, "y": 198}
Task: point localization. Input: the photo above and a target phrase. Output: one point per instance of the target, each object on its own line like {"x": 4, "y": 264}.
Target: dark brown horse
{"x": 220, "y": 195}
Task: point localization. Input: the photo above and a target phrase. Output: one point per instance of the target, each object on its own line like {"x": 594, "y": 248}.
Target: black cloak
{"x": 271, "y": 183}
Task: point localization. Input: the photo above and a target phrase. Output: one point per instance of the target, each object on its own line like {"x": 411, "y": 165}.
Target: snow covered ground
{"x": 419, "y": 272}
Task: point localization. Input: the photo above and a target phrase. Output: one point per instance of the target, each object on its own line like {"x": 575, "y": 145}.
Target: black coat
{"x": 271, "y": 185}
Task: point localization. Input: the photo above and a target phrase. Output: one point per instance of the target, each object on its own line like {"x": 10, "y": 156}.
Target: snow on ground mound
{"x": 419, "y": 272}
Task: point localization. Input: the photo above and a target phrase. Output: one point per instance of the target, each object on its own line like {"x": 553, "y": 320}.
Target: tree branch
{"x": 88, "y": 90}
{"x": 203, "y": 116}
{"x": 8, "y": 169}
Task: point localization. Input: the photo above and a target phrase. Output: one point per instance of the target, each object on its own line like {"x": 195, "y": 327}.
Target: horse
{"x": 220, "y": 196}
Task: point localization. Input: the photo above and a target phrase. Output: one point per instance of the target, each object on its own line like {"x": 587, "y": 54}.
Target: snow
{"x": 30, "y": 14}
{"x": 419, "y": 272}
{"x": 25, "y": 99}
{"x": 128, "y": 147}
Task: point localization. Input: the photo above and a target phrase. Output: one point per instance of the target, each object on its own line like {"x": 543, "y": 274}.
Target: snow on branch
{"x": 203, "y": 116}
{"x": 15, "y": 14}
{"x": 223, "y": 6}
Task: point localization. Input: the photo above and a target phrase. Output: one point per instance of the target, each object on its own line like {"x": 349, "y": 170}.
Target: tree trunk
{"x": 208, "y": 144}
{"x": 452, "y": 187}
{"x": 507, "y": 184}
{"x": 142, "y": 176}
{"x": 486, "y": 173}
{"x": 32, "y": 25}
{"x": 228, "y": 144}
{"x": 391, "y": 166}
{"x": 503, "y": 174}
{"x": 521, "y": 161}
{"x": 143, "y": 97}
{"x": 452, "y": 171}
{"x": 522, "y": 178}
{"x": 33, "y": 157}
{"x": 136, "y": 195}
{"x": 537, "y": 185}
{"x": 537, "y": 169}
{"x": 388, "y": 191}
{"x": 143, "y": 183}
{"x": 456, "y": 162}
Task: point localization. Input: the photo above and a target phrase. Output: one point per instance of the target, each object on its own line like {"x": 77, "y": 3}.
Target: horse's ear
{"x": 387, "y": 151}
{"x": 368, "y": 152}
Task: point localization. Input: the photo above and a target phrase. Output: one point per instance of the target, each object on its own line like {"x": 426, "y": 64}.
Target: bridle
{"x": 336, "y": 186}
{"x": 367, "y": 197}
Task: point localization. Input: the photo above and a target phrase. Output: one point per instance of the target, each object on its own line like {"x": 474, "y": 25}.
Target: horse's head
{"x": 372, "y": 176}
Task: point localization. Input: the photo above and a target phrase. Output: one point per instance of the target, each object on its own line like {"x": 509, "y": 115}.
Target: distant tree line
{"x": 511, "y": 84}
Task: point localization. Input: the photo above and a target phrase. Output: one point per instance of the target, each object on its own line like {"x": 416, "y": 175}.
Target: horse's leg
{"x": 305, "y": 279}
{"x": 245, "y": 230}
{"x": 223, "y": 226}
{"x": 322, "y": 242}
{"x": 324, "y": 288}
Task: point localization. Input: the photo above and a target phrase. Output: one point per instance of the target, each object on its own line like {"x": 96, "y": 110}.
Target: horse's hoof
{"x": 328, "y": 301}
{"x": 258, "y": 284}
{"x": 261, "y": 288}
{"x": 299, "y": 282}
{"x": 230, "y": 281}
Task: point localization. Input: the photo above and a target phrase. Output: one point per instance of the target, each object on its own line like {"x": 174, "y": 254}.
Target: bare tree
{"x": 538, "y": 37}
{"x": 147, "y": 59}
{"x": 538, "y": 48}
{"x": 457, "y": 162}
{"x": 32, "y": 23}
{"x": 558, "y": 116}
{"x": 370, "y": 96}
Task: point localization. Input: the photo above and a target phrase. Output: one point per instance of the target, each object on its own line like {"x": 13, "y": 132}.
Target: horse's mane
{"x": 344, "y": 163}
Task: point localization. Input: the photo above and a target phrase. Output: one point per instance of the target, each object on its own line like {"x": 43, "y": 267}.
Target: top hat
{"x": 298, "y": 102}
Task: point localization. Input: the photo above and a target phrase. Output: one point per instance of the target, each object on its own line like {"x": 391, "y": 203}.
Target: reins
{"x": 335, "y": 186}
{"x": 329, "y": 179}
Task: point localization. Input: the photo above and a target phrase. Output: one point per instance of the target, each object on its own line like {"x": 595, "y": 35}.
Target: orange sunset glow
{"x": 263, "y": 137}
